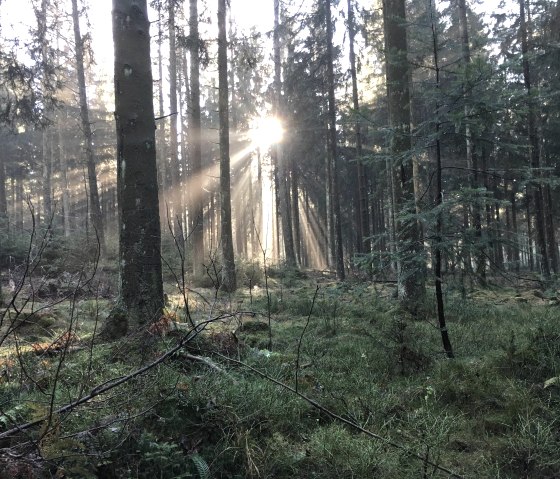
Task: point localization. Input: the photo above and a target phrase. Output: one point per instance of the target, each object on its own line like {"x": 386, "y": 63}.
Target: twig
{"x": 112, "y": 383}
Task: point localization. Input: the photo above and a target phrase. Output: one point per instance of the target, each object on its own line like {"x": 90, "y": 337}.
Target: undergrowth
{"x": 492, "y": 412}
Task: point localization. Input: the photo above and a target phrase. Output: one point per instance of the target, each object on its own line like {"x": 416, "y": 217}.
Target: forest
{"x": 279, "y": 239}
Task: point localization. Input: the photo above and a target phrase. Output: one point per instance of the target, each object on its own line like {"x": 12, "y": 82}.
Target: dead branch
{"x": 112, "y": 383}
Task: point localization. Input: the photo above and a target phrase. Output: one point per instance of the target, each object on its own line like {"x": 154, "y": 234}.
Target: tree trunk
{"x": 19, "y": 199}
{"x": 411, "y": 263}
{"x": 195, "y": 145}
{"x": 161, "y": 146}
{"x": 550, "y": 230}
{"x": 141, "y": 289}
{"x": 537, "y": 190}
{"x": 3, "y": 198}
{"x": 363, "y": 204}
{"x": 515, "y": 230}
{"x": 471, "y": 159}
{"x": 279, "y": 156}
{"x": 337, "y": 220}
{"x": 438, "y": 204}
{"x": 228, "y": 266}
{"x": 295, "y": 213}
{"x": 65, "y": 184}
{"x": 175, "y": 194}
{"x": 47, "y": 174}
{"x": 95, "y": 208}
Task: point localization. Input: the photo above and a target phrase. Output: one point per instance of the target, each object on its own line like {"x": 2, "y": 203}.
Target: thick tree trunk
{"x": 95, "y": 208}
{"x": 411, "y": 262}
{"x": 141, "y": 290}
{"x": 337, "y": 220}
{"x": 195, "y": 145}
{"x": 228, "y": 266}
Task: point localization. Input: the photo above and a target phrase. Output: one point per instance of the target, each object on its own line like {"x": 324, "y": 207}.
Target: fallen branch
{"x": 112, "y": 383}
{"x": 335, "y": 416}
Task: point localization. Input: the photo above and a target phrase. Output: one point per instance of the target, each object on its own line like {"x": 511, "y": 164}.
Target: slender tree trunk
{"x": 295, "y": 213}
{"x": 184, "y": 107}
{"x": 537, "y": 190}
{"x": 337, "y": 220}
{"x": 531, "y": 255}
{"x": 95, "y": 208}
{"x": 195, "y": 144}
{"x": 330, "y": 236}
{"x": 279, "y": 157}
{"x": 3, "y": 197}
{"x": 45, "y": 157}
{"x": 19, "y": 199}
{"x": 141, "y": 290}
{"x": 515, "y": 231}
{"x": 257, "y": 211}
{"x": 64, "y": 177}
{"x": 363, "y": 203}
{"x": 228, "y": 266}
{"x": 552, "y": 245}
{"x": 498, "y": 244}
{"x": 438, "y": 203}
{"x": 175, "y": 194}
{"x": 160, "y": 134}
{"x": 47, "y": 174}
{"x": 411, "y": 263}
{"x": 471, "y": 159}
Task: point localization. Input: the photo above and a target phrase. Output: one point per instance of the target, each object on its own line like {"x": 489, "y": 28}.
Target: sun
{"x": 266, "y": 132}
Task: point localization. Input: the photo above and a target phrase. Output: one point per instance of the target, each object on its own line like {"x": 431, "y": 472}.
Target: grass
{"x": 487, "y": 414}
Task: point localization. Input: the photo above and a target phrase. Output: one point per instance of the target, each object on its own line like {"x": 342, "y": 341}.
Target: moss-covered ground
{"x": 493, "y": 412}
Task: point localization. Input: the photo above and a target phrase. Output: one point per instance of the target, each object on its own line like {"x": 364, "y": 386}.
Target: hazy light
{"x": 266, "y": 132}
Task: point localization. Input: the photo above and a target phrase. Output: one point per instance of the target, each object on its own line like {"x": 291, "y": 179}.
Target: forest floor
{"x": 221, "y": 406}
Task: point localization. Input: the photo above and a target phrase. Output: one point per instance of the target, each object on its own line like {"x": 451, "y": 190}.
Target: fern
{"x": 201, "y": 466}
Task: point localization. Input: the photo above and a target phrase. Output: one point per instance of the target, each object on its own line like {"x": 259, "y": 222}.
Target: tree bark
{"x": 176, "y": 208}
{"x": 438, "y": 204}
{"x": 470, "y": 153}
{"x": 46, "y": 158}
{"x": 141, "y": 287}
{"x": 537, "y": 190}
{"x": 337, "y": 220}
{"x": 95, "y": 208}
{"x": 195, "y": 145}
{"x": 229, "y": 282}
{"x": 411, "y": 263}
{"x": 161, "y": 146}
{"x": 278, "y": 153}
{"x": 363, "y": 226}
